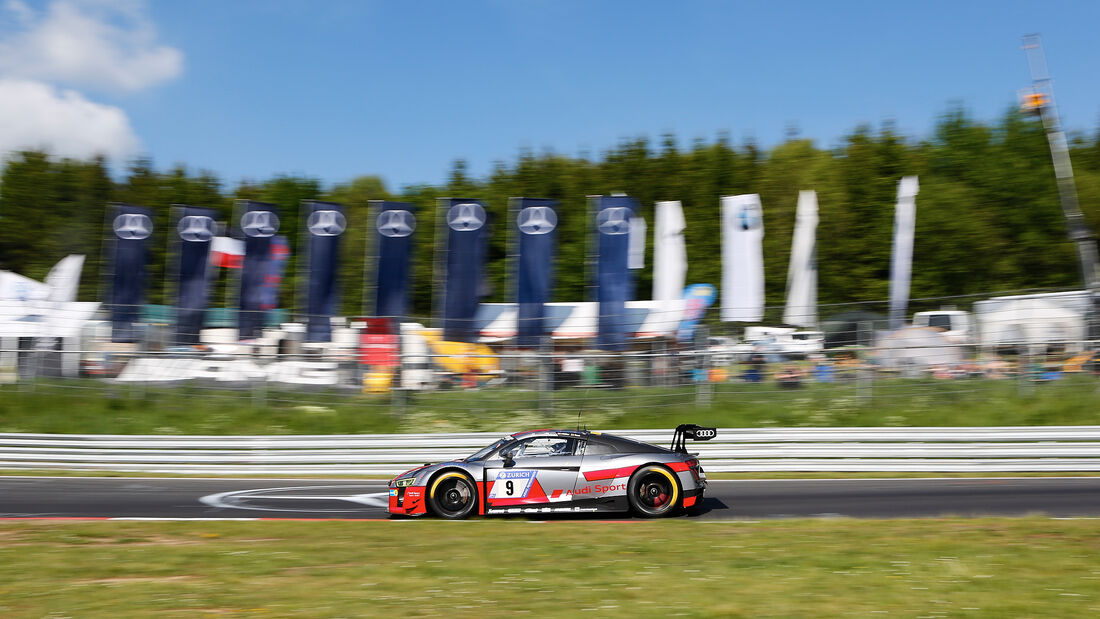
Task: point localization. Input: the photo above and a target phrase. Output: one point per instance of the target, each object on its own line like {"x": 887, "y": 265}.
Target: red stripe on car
{"x": 609, "y": 473}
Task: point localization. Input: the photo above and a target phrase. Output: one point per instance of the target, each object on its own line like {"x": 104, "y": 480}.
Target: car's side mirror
{"x": 508, "y": 460}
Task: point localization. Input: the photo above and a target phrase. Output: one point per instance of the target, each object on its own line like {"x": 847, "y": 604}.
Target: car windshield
{"x": 484, "y": 451}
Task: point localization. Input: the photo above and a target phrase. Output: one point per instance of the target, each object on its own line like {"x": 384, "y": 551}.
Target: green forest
{"x": 988, "y": 216}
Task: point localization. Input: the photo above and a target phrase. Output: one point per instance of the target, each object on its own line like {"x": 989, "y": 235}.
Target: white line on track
{"x": 240, "y": 499}
{"x": 152, "y": 519}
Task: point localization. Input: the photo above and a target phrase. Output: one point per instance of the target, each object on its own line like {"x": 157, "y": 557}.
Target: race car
{"x": 558, "y": 471}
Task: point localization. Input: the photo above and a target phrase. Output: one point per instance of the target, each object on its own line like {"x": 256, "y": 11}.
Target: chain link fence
{"x": 390, "y": 364}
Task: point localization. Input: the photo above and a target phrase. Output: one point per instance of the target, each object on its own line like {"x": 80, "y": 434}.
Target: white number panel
{"x": 512, "y": 484}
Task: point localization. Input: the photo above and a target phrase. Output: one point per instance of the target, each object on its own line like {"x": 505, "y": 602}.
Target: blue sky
{"x": 334, "y": 89}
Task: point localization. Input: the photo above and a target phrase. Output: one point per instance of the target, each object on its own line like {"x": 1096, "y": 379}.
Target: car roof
{"x": 530, "y": 433}
{"x": 623, "y": 443}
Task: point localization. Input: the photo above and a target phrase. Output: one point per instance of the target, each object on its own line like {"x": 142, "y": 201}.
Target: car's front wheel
{"x": 452, "y": 495}
{"x": 653, "y": 491}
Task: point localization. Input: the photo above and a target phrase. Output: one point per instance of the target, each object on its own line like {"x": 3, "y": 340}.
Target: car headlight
{"x": 404, "y": 483}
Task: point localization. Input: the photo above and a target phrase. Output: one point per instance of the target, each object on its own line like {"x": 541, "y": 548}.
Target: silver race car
{"x": 558, "y": 471}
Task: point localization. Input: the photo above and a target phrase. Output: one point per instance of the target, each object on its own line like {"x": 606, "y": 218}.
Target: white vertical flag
{"x": 742, "y": 258}
{"x": 64, "y": 278}
{"x": 636, "y": 246}
{"x": 669, "y": 252}
{"x": 901, "y": 262}
{"x": 801, "y": 309}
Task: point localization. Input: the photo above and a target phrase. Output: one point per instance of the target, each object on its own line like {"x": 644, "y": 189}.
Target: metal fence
{"x": 853, "y": 356}
{"x": 552, "y": 381}
{"x": 1004, "y": 449}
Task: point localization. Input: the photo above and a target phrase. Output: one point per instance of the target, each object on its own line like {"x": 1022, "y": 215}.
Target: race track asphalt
{"x": 192, "y": 498}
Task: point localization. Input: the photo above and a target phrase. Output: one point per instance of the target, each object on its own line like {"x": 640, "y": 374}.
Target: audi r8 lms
{"x": 558, "y": 471}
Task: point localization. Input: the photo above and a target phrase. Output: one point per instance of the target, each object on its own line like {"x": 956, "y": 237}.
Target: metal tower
{"x": 1040, "y": 100}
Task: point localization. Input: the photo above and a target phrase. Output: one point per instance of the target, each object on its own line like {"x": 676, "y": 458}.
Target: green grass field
{"x": 62, "y": 407}
{"x": 1033, "y": 567}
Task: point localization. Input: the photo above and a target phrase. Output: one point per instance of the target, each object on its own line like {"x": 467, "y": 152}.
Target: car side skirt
{"x": 605, "y": 504}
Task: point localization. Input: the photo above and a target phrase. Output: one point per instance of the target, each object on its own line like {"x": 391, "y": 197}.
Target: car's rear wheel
{"x": 452, "y": 495}
{"x": 653, "y": 491}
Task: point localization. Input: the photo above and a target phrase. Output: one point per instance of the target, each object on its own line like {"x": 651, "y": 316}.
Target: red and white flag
{"x": 227, "y": 252}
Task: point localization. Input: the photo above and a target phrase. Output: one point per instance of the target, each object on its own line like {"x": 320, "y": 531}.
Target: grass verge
{"x": 99, "y": 408}
{"x": 1033, "y": 567}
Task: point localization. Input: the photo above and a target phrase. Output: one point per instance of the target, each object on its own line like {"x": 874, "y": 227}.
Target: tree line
{"x": 988, "y": 216}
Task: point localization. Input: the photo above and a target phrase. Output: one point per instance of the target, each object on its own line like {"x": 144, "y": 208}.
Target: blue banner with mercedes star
{"x": 325, "y": 223}
{"x": 614, "y": 286}
{"x": 195, "y": 229}
{"x": 536, "y": 221}
{"x": 467, "y": 244}
{"x": 131, "y": 227}
{"x": 257, "y": 222}
{"x": 395, "y": 223}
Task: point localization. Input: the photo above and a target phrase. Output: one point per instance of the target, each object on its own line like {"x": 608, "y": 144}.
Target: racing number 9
{"x": 509, "y": 488}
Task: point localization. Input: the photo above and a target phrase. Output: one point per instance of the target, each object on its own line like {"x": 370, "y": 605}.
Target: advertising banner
{"x": 396, "y": 225}
{"x": 467, "y": 245}
{"x": 257, "y": 223}
{"x": 325, "y": 224}
{"x": 131, "y": 227}
{"x": 742, "y": 258}
{"x": 276, "y": 268}
{"x": 613, "y": 280}
{"x": 697, "y": 298}
{"x": 801, "y": 309}
{"x": 536, "y": 220}
{"x": 901, "y": 261}
{"x": 669, "y": 252}
{"x": 195, "y": 228}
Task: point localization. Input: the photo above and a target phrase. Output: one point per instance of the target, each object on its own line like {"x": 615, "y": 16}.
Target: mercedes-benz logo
{"x": 196, "y": 228}
{"x": 537, "y": 220}
{"x": 133, "y": 226}
{"x": 614, "y": 220}
{"x": 395, "y": 223}
{"x": 260, "y": 223}
{"x": 326, "y": 223}
{"x": 466, "y": 217}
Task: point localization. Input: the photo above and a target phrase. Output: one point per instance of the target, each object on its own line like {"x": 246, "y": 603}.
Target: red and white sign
{"x": 227, "y": 252}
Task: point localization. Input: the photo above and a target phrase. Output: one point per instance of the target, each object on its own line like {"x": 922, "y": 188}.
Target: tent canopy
{"x": 917, "y": 347}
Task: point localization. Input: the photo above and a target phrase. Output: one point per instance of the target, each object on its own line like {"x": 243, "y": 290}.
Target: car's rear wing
{"x": 686, "y": 431}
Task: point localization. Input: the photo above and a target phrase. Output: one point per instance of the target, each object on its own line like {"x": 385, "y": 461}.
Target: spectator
{"x": 789, "y": 377}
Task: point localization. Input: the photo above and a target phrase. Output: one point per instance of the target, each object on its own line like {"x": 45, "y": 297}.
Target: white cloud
{"x": 34, "y": 115}
{"x": 102, "y": 45}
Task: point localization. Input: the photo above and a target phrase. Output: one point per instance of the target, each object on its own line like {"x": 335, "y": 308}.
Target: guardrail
{"x": 994, "y": 449}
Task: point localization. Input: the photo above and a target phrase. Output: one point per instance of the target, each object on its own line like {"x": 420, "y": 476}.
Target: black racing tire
{"x": 452, "y": 495}
{"x": 654, "y": 491}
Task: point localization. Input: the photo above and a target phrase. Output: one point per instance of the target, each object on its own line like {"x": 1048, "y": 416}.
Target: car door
{"x": 543, "y": 471}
